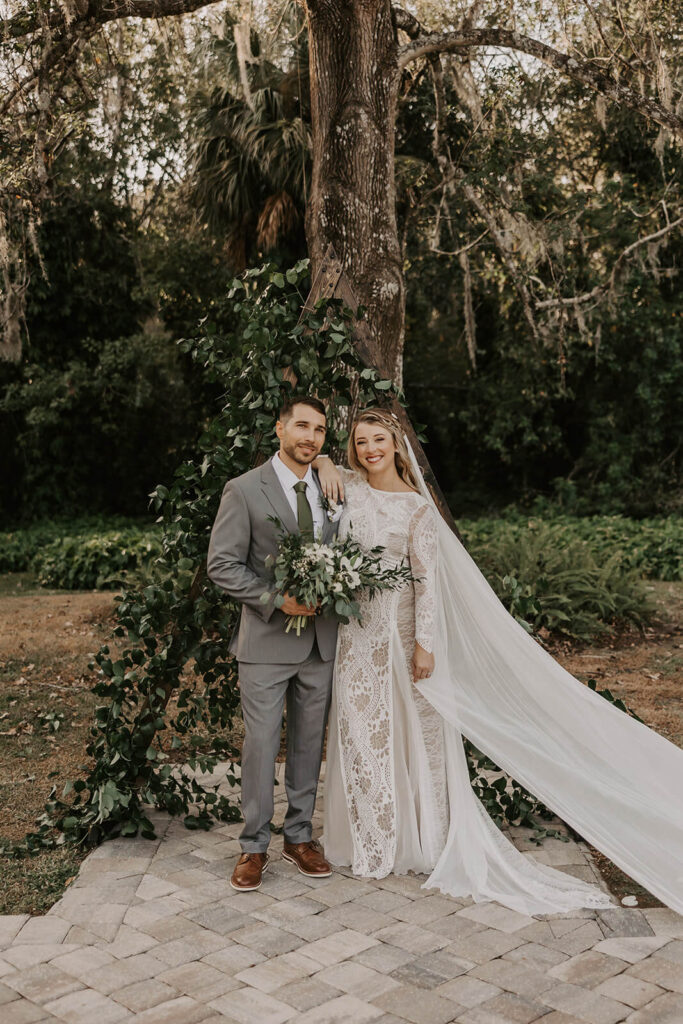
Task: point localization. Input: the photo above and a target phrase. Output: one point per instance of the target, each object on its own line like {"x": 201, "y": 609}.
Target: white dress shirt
{"x": 287, "y": 478}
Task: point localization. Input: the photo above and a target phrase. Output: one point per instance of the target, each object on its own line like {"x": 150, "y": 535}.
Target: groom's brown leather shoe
{"x": 308, "y": 858}
{"x": 248, "y": 871}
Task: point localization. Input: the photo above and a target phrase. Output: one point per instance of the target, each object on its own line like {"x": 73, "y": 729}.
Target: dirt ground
{"x": 645, "y": 670}
{"x": 47, "y": 637}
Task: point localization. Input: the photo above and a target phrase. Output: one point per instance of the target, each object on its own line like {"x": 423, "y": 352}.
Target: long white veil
{"x": 616, "y": 782}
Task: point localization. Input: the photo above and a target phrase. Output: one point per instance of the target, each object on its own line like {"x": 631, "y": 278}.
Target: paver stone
{"x": 632, "y": 949}
{"x": 667, "y": 1009}
{"x": 588, "y": 969}
{"x": 249, "y": 1005}
{"x": 181, "y": 1010}
{"x": 144, "y": 994}
{"x": 632, "y": 991}
{"x": 357, "y": 980}
{"x": 343, "y": 1010}
{"x": 24, "y": 1012}
{"x": 42, "y": 983}
{"x": 87, "y": 1007}
{"x": 306, "y": 994}
{"x": 340, "y": 946}
{"x": 10, "y": 924}
{"x": 585, "y": 1005}
{"x": 417, "y": 1005}
{"x": 468, "y": 991}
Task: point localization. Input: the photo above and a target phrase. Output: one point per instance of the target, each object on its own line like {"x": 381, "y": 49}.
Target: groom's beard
{"x": 302, "y": 455}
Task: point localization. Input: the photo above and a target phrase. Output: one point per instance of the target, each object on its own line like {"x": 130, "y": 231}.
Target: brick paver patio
{"x": 153, "y": 931}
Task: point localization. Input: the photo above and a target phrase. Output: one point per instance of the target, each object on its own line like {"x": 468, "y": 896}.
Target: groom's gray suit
{"x": 272, "y": 664}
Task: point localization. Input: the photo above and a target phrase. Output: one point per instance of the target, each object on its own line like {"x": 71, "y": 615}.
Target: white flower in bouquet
{"x": 328, "y": 577}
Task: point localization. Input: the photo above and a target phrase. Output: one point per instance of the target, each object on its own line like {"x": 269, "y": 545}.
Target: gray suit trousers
{"x": 307, "y": 687}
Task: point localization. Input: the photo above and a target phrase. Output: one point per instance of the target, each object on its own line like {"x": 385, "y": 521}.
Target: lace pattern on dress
{"x": 422, "y": 553}
{"x": 405, "y": 525}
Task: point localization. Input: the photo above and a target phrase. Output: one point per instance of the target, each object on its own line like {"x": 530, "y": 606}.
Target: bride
{"x": 442, "y": 658}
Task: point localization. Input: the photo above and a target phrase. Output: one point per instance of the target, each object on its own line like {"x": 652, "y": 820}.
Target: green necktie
{"x": 303, "y": 511}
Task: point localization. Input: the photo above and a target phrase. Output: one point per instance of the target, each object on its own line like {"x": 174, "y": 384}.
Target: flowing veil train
{"x": 615, "y": 781}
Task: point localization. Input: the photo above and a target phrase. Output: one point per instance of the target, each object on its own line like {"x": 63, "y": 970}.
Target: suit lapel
{"x": 276, "y": 498}
{"x": 328, "y": 530}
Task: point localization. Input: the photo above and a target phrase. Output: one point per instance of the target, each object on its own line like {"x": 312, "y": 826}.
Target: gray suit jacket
{"x": 241, "y": 539}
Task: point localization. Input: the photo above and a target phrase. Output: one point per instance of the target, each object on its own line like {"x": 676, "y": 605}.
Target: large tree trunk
{"x": 352, "y": 202}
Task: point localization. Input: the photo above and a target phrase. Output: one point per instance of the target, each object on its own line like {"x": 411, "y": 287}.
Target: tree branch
{"x": 406, "y": 22}
{"x": 463, "y": 249}
{"x": 115, "y": 9}
{"x": 498, "y": 237}
{"x": 55, "y": 54}
{"x": 452, "y": 174}
{"x": 580, "y": 71}
{"x": 575, "y": 301}
{"x": 96, "y": 11}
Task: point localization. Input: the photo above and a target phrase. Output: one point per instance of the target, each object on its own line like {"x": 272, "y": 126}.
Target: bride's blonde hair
{"x": 388, "y": 422}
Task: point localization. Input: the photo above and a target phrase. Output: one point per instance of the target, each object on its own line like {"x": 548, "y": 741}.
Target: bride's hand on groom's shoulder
{"x": 330, "y": 479}
{"x": 423, "y": 663}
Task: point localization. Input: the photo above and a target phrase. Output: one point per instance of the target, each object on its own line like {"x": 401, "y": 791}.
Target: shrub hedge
{"x": 548, "y": 577}
{"x": 86, "y": 554}
{"x": 571, "y": 575}
{"x": 99, "y": 562}
{"x": 652, "y": 546}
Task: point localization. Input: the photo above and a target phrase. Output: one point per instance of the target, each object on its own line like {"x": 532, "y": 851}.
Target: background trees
{"x": 536, "y": 233}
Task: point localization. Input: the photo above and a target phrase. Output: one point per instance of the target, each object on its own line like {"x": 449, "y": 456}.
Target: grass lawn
{"x": 46, "y": 705}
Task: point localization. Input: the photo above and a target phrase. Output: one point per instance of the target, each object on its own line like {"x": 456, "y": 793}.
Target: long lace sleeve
{"x": 349, "y": 476}
{"x": 422, "y": 551}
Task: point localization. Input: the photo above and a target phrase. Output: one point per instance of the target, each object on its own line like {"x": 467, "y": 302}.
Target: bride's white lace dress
{"x": 386, "y": 747}
{"x": 397, "y": 790}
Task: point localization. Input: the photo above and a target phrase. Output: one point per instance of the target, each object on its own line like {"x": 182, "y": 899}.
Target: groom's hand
{"x": 290, "y": 606}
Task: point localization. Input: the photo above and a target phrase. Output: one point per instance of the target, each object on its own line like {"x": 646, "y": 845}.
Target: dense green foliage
{"x": 93, "y": 435}
{"x": 104, "y": 404}
{"x": 583, "y": 404}
{"x": 104, "y": 561}
{"x": 604, "y": 440}
{"x": 554, "y": 582}
{"x": 20, "y": 547}
{"x": 84, "y": 286}
{"x": 653, "y": 547}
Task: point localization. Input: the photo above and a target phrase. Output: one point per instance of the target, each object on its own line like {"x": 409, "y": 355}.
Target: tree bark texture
{"x": 352, "y": 200}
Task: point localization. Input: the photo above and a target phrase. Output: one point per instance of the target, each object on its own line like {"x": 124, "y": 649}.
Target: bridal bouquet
{"x": 329, "y": 577}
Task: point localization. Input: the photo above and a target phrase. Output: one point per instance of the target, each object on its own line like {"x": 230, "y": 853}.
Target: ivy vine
{"x": 169, "y": 700}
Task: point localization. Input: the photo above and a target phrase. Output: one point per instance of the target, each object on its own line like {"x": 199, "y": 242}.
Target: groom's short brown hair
{"x": 290, "y": 401}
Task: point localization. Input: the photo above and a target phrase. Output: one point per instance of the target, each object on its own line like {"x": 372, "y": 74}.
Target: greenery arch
{"x": 173, "y": 691}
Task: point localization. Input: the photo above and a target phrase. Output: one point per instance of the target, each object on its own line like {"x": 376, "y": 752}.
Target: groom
{"x": 274, "y": 664}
